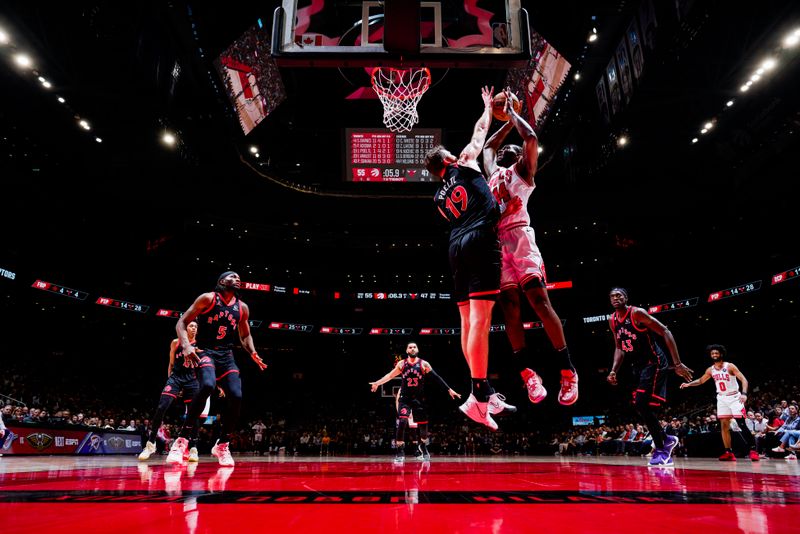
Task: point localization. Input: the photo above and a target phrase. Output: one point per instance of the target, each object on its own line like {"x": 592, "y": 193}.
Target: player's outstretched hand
{"x": 191, "y": 356}
{"x": 220, "y": 392}
{"x": 373, "y": 386}
{"x": 612, "y": 378}
{"x": 259, "y": 362}
{"x": 683, "y": 372}
{"x": 684, "y": 385}
{"x": 453, "y": 394}
{"x": 487, "y": 93}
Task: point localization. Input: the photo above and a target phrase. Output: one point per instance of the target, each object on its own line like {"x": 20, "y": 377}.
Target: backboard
{"x": 401, "y": 33}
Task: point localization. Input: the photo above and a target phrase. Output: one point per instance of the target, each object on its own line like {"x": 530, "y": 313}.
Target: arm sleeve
{"x": 439, "y": 379}
{"x": 2, "y": 424}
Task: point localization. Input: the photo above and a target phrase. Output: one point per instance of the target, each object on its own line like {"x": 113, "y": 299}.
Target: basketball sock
{"x": 521, "y": 358}
{"x": 481, "y": 389}
{"x": 564, "y": 359}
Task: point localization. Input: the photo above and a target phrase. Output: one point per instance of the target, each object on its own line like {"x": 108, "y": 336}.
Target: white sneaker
{"x": 569, "y": 387}
{"x": 149, "y": 450}
{"x": 498, "y": 405}
{"x": 193, "y": 456}
{"x": 177, "y": 452}
{"x": 223, "y": 454}
{"x": 536, "y": 391}
{"x": 478, "y": 412}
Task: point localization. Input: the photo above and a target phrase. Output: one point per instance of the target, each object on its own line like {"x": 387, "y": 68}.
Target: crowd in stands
{"x": 772, "y": 418}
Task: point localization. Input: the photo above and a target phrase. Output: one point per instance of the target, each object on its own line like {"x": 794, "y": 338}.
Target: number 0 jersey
{"x": 725, "y": 382}
{"x": 464, "y": 199}
{"x": 218, "y": 327}
{"x": 641, "y": 344}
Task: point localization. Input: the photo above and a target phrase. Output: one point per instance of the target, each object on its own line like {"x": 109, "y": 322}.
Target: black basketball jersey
{"x": 466, "y": 201}
{"x": 181, "y": 367}
{"x": 640, "y": 345}
{"x": 218, "y": 327}
{"x": 412, "y": 379}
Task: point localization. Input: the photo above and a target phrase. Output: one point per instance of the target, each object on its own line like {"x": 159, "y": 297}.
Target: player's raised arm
{"x": 492, "y": 146}
{"x": 385, "y": 378}
{"x": 645, "y": 319}
{"x": 702, "y": 380}
{"x": 469, "y": 155}
{"x": 527, "y": 165}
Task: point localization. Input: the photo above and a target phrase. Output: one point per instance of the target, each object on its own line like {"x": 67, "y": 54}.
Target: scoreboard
{"x": 378, "y": 155}
{"x": 390, "y": 331}
{"x": 122, "y": 305}
{"x": 785, "y": 275}
{"x": 60, "y": 290}
{"x": 735, "y": 291}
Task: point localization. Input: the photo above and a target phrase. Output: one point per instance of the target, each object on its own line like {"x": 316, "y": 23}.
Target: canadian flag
{"x": 309, "y": 39}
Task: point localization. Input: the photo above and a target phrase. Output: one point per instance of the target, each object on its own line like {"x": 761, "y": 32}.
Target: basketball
{"x": 499, "y": 104}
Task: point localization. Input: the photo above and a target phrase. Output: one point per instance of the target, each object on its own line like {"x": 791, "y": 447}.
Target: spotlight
{"x": 744, "y": 88}
{"x": 539, "y": 149}
{"x": 769, "y": 64}
{"x": 98, "y": 139}
{"x": 622, "y": 141}
{"x": 84, "y": 125}
{"x": 23, "y": 60}
{"x": 790, "y": 41}
{"x": 704, "y": 130}
{"x": 47, "y": 85}
{"x": 254, "y": 149}
{"x": 3, "y": 37}
{"x": 694, "y": 140}
{"x": 755, "y": 77}
{"x": 729, "y": 103}
{"x": 61, "y": 99}
{"x": 168, "y": 139}
{"x": 577, "y": 75}
{"x": 592, "y": 37}
{"x": 708, "y": 125}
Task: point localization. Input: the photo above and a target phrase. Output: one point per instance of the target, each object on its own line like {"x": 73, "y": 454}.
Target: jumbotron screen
{"x": 378, "y": 155}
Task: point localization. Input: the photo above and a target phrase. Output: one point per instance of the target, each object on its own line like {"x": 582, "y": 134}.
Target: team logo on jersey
{"x": 167, "y": 388}
{"x": 40, "y": 440}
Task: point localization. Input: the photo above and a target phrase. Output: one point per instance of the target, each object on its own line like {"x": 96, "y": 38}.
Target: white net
{"x": 400, "y": 91}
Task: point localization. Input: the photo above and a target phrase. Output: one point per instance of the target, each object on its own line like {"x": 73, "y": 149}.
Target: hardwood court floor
{"x": 448, "y": 495}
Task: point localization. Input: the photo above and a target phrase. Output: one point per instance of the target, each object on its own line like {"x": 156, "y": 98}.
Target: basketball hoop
{"x": 400, "y": 91}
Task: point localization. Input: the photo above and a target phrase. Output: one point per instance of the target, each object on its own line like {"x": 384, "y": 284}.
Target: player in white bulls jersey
{"x": 730, "y": 402}
{"x": 511, "y": 170}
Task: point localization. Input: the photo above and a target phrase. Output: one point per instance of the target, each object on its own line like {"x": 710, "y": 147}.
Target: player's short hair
{"x": 410, "y": 342}
{"x": 721, "y": 348}
{"x": 619, "y": 289}
{"x": 434, "y": 160}
{"x": 508, "y": 155}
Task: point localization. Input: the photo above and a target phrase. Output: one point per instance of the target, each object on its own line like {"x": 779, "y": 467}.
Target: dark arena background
{"x": 147, "y": 147}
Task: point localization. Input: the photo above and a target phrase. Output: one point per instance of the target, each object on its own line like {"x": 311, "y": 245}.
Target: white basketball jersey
{"x": 726, "y": 383}
{"x": 505, "y": 185}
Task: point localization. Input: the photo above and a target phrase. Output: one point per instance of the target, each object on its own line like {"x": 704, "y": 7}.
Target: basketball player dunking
{"x": 637, "y": 335}
{"x": 511, "y": 169}
{"x": 730, "y": 402}
{"x": 222, "y": 318}
{"x": 413, "y": 371}
{"x": 465, "y": 201}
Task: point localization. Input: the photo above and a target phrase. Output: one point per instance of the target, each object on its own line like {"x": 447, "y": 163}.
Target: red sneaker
{"x": 536, "y": 391}
{"x": 754, "y": 456}
{"x": 727, "y": 457}
{"x": 569, "y": 387}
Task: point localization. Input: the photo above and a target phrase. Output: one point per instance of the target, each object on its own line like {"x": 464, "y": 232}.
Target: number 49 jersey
{"x": 218, "y": 327}
{"x": 464, "y": 199}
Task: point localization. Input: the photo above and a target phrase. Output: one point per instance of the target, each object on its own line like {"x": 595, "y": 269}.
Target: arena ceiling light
{"x": 4, "y": 38}
{"x": 254, "y": 149}
{"x": 23, "y": 60}
{"x": 792, "y": 39}
{"x": 85, "y": 125}
{"x": 168, "y": 139}
{"x": 61, "y": 99}
{"x": 729, "y": 103}
{"x": 622, "y": 141}
{"x": 769, "y": 63}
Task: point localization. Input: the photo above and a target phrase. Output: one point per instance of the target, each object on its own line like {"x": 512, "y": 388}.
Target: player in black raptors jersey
{"x": 465, "y": 201}
{"x": 637, "y": 336}
{"x": 181, "y": 378}
{"x": 223, "y": 320}
{"x": 412, "y": 372}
